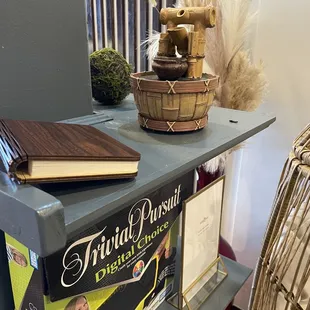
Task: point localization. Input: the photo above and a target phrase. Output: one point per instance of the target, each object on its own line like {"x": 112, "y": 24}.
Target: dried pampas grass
{"x": 242, "y": 82}
{"x": 193, "y": 3}
{"x": 236, "y": 25}
{"x": 244, "y": 85}
{"x": 150, "y": 45}
{"x": 216, "y": 163}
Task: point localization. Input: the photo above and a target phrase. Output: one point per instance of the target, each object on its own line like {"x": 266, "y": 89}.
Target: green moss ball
{"x": 110, "y": 76}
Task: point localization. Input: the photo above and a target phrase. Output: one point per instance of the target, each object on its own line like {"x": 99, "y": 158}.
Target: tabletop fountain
{"x": 177, "y": 95}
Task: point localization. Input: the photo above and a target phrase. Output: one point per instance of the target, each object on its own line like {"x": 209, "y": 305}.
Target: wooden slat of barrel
{"x": 187, "y": 106}
{"x": 170, "y": 107}
{"x": 201, "y": 106}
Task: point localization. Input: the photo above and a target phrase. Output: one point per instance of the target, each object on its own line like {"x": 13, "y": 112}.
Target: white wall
{"x": 282, "y": 41}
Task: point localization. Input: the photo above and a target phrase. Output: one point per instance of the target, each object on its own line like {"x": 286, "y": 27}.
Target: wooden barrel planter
{"x": 173, "y": 106}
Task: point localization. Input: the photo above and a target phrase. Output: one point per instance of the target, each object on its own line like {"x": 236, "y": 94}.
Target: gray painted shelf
{"x": 43, "y": 218}
{"x": 226, "y": 291}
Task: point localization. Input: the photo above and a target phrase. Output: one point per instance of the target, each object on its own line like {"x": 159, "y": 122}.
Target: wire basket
{"x": 282, "y": 275}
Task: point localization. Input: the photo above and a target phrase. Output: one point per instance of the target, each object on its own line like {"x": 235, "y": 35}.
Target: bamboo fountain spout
{"x": 179, "y": 38}
{"x": 189, "y": 45}
{"x": 200, "y": 17}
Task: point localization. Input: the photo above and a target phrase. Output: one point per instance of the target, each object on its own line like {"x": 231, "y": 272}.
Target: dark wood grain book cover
{"x": 24, "y": 141}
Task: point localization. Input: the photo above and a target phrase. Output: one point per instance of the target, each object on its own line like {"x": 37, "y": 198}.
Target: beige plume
{"x": 153, "y": 3}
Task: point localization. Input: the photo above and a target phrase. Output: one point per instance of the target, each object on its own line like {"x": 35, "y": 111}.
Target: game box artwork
{"x": 126, "y": 261}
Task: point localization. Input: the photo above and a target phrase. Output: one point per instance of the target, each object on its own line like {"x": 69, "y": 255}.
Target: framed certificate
{"x": 200, "y": 240}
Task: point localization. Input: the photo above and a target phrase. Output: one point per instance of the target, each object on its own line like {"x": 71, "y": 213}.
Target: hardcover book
{"x": 36, "y": 152}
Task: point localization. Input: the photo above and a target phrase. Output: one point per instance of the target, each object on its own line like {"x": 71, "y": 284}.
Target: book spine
{"x": 10, "y": 150}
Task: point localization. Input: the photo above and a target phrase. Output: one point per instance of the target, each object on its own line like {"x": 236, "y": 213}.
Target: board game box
{"x": 126, "y": 261}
